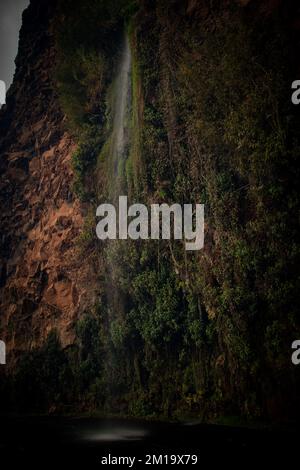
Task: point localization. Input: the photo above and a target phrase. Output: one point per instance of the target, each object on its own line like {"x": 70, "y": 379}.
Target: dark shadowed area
{"x": 10, "y": 23}
{"x": 92, "y": 442}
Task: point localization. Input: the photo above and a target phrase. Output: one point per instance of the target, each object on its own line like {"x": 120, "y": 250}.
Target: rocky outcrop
{"x": 40, "y": 217}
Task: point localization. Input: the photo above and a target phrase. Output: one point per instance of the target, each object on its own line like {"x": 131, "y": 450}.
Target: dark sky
{"x": 10, "y": 23}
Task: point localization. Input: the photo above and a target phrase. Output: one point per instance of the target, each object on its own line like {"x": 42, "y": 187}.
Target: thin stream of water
{"x": 121, "y": 109}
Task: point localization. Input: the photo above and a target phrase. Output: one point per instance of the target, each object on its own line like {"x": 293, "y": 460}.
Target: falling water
{"x": 121, "y": 114}
{"x": 119, "y": 150}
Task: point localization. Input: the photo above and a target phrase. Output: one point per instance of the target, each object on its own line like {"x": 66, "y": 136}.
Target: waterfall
{"x": 118, "y": 151}
{"x": 121, "y": 116}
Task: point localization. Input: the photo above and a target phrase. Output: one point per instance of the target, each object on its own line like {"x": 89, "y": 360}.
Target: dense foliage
{"x": 175, "y": 333}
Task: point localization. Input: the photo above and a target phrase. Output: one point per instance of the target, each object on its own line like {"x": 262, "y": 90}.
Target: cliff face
{"x": 147, "y": 328}
{"x": 40, "y": 217}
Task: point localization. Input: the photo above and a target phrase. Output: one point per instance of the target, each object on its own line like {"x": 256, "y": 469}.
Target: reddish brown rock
{"x": 44, "y": 284}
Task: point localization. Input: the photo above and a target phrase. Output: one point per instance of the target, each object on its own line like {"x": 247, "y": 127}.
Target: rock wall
{"x": 167, "y": 333}
{"x": 42, "y": 278}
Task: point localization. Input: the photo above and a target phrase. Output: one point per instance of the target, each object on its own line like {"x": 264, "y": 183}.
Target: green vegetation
{"x": 223, "y": 134}
{"x": 84, "y": 159}
{"x": 176, "y": 333}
